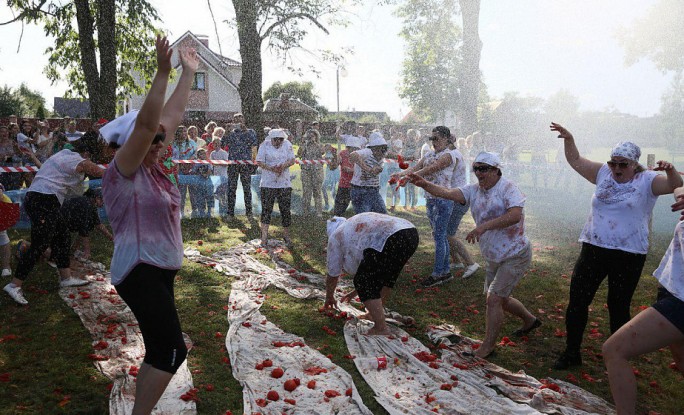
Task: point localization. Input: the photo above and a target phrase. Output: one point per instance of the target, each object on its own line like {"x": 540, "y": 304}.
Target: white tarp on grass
{"x": 550, "y": 396}
{"x": 117, "y": 342}
{"x": 416, "y": 381}
{"x": 252, "y": 341}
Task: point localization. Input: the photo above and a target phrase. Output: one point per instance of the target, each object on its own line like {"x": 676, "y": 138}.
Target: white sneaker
{"x": 16, "y": 293}
{"x": 6, "y": 272}
{"x": 454, "y": 266}
{"x": 72, "y": 282}
{"x": 470, "y": 270}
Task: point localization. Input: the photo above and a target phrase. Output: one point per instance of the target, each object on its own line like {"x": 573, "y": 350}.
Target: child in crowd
{"x": 202, "y": 189}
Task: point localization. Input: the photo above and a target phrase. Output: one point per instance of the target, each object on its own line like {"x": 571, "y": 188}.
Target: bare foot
{"x": 484, "y": 353}
{"x": 373, "y": 331}
{"x": 365, "y": 316}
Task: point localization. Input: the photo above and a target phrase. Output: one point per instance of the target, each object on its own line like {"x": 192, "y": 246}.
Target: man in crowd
{"x": 241, "y": 143}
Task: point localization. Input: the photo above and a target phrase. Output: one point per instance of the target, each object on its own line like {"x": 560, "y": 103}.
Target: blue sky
{"x": 533, "y": 47}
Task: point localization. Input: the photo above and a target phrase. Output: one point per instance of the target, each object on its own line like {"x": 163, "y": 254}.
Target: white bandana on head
{"x": 334, "y": 223}
{"x": 118, "y": 130}
{"x": 627, "y": 150}
{"x": 488, "y": 158}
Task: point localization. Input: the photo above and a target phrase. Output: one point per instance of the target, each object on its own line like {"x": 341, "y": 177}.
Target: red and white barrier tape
{"x": 33, "y": 169}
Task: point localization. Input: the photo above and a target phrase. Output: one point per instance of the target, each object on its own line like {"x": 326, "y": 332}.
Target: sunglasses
{"x": 621, "y": 164}
{"x": 481, "y": 169}
{"x": 159, "y": 137}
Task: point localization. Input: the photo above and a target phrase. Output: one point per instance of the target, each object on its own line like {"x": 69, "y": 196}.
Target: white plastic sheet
{"x": 569, "y": 399}
{"x": 419, "y": 382}
{"x": 455, "y": 383}
{"x": 117, "y": 342}
{"x": 252, "y": 339}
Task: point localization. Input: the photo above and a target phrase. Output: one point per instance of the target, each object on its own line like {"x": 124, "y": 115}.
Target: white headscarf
{"x": 626, "y": 149}
{"x": 118, "y": 130}
{"x": 491, "y": 159}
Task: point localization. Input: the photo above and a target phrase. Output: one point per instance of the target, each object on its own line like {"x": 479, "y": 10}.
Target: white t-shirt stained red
{"x": 497, "y": 245}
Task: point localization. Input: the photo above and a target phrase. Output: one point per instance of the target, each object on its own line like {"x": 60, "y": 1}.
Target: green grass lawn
{"x": 50, "y": 372}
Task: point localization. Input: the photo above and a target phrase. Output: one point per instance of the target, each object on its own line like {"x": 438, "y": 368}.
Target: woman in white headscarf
{"x": 615, "y": 237}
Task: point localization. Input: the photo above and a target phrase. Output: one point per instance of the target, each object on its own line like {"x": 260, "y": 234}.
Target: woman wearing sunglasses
{"x": 615, "y": 237}
{"x": 143, "y": 207}
{"x": 497, "y": 206}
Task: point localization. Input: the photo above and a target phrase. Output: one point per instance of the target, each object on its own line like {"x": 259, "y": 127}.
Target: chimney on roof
{"x": 204, "y": 39}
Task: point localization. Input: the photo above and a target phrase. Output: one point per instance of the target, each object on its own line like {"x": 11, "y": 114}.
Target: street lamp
{"x": 340, "y": 71}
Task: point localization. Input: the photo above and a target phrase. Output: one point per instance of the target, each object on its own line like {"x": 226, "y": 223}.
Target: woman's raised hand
{"x": 189, "y": 59}
{"x": 164, "y": 53}
{"x": 563, "y": 132}
{"x": 663, "y": 165}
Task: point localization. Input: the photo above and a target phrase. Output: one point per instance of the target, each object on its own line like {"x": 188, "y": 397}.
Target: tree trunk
{"x": 472, "y": 46}
{"x": 86, "y": 45}
{"x": 250, "y": 52}
{"x": 107, "y": 45}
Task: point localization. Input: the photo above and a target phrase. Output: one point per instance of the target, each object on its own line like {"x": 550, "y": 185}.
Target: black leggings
{"x": 269, "y": 196}
{"x": 381, "y": 269}
{"x": 593, "y": 265}
{"x": 48, "y": 229}
{"x": 148, "y": 292}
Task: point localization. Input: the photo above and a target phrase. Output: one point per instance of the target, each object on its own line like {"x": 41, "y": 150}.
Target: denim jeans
{"x": 367, "y": 199}
{"x": 439, "y": 212}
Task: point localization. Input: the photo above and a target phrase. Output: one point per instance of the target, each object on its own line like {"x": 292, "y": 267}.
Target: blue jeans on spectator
{"x": 439, "y": 212}
{"x": 203, "y": 193}
{"x": 367, "y": 199}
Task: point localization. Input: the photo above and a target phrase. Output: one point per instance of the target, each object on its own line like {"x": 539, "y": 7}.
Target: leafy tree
{"x": 441, "y": 72}
{"x": 562, "y": 106}
{"x": 658, "y": 36}
{"x": 432, "y": 65}
{"x": 10, "y": 104}
{"x": 85, "y": 53}
{"x": 301, "y": 90}
{"x": 672, "y": 112}
{"x": 517, "y": 121}
{"x": 281, "y": 26}
{"x": 32, "y": 102}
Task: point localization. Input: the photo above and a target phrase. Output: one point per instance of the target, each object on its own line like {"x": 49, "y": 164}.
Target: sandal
{"x": 522, "y": 331}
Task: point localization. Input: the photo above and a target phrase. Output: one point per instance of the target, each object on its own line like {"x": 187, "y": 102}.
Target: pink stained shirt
{"x": 144, "y": 211}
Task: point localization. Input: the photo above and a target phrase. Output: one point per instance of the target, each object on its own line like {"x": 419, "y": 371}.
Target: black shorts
{"x": 148, "y": 292}
{"x": 381, "y": 269}
{"x": 671, "y": 307}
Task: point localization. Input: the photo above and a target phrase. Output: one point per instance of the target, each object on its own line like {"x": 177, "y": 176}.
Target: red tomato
{"x": 290, "y": 385}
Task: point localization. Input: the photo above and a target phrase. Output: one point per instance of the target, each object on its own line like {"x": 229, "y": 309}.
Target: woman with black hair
{"x": 61, "y": 174}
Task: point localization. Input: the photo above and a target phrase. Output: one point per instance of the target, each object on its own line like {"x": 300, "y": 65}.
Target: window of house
{"x": 198, "y": 82}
